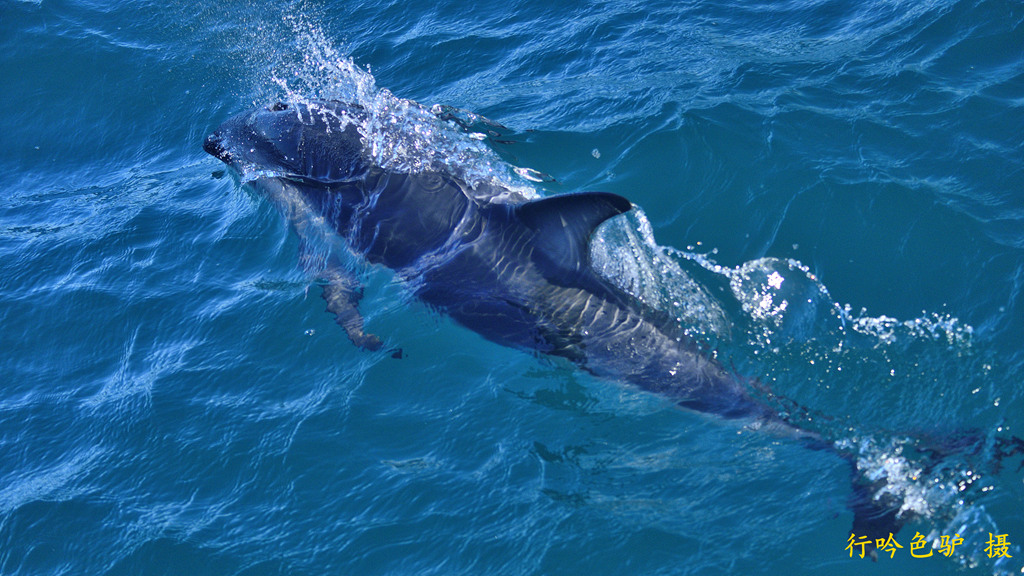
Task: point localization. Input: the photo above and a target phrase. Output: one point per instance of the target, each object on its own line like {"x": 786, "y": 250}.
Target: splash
{"x": 938, "y": 492}
{"x": 889, "y": 331}
{"x": 774, "y": 309}
{"x": 624, "y": 252}
{"x": 779, "y": 300}
{"x": 401, "y": 135}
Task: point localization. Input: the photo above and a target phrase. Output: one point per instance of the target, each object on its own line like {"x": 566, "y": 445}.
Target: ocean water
{"x": 832, "y": 199}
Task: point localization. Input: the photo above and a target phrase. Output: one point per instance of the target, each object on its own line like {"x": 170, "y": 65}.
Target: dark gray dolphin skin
{"x": 518, "y": 274}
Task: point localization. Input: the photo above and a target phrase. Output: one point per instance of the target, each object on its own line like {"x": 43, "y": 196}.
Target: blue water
{"x": 836, "y": 193}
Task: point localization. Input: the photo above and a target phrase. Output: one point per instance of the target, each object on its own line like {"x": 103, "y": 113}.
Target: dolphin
{"x": 516, "y": 272}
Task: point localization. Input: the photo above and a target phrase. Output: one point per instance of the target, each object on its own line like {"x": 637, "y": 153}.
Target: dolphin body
{"x": 518, "y": 273}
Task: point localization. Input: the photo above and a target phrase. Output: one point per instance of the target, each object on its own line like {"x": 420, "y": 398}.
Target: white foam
{"x": 936, "y": 493}
{"x": 401, "y": 136}
{"x": 886, "y": 330}
{"x": 624, "y": 252}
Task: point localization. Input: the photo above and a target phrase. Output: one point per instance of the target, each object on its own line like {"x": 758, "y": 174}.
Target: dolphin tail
{"x": 876, "y": 509}
{"x": 876, "y": 512}
{"x": 877, "y": 503}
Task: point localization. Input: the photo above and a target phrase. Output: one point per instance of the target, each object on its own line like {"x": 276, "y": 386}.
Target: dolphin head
{"x": 315, "y": 141}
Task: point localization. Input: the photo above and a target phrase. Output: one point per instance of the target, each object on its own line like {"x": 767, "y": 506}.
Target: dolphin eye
{"x": 278, "y": 107}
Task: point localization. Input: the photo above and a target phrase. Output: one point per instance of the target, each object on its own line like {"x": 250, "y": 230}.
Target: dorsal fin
{"x": 565, "y": 223}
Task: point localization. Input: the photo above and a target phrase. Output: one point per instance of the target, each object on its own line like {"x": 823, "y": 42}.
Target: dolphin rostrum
{"x": 518, "y": 273}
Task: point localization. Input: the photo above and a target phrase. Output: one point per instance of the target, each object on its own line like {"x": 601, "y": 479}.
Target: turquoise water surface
{"x": 832, "y": 198}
